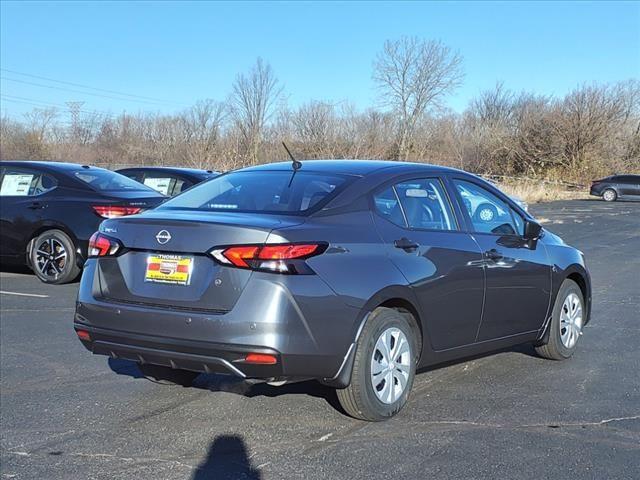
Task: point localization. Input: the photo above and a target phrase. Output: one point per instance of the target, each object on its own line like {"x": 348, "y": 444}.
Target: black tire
{"x": 359, "y": 399}
{"x": 54, "y": 268}
{"x": 485, "y": 207}
{"x": 552, "y": 346}
{"x": 166, "y": 375}
{"x": 609, "y": 195}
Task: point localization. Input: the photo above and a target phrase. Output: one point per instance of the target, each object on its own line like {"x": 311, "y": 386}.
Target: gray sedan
{"x": 354, "y": 273}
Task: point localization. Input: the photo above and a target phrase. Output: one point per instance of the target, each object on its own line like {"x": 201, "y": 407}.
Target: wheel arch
{"x": 44, "y": 227}
{"x": 579, "y": 274}
{"x": 397, "y": 297}
{"x": 582, "y": 280}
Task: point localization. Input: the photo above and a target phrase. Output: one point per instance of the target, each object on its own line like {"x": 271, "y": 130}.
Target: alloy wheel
{"x": 51, "y": 257}
{"x": 390, "y": 365}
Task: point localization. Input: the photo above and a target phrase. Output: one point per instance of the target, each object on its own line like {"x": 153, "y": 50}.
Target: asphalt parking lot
{"x": 70, "y": 415}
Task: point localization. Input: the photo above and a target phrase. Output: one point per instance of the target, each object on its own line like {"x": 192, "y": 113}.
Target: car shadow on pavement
{"x": 524, "y": 349}
{"x": 227, "y": 459}
{"x": 231, "y": 384}
{"x": 15, "y": 269}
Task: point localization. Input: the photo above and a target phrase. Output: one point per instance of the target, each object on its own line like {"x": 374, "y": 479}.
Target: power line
{"x": 44, "y": 103}
{"x": 78, "y": 91}
{"x": 62, "y": 82}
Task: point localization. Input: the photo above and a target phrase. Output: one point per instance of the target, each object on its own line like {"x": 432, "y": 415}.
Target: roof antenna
{"x": 296, "y": 165}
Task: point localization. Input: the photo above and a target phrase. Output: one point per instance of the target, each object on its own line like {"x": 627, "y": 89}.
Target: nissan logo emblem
{"x": 163, "y": 237}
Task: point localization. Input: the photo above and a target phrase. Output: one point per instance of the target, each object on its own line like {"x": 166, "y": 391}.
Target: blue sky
{"x": 182, "y": 52}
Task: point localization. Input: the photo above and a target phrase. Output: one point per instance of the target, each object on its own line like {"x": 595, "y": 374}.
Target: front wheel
{"x": 567, "y": 321}
{"x": 384, "y": 367}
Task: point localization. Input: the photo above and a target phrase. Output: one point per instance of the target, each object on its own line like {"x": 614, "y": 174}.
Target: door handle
{"x": 36, "y": 206}
{"x": 405, "y": 244}
{"x": 493, "y": 254}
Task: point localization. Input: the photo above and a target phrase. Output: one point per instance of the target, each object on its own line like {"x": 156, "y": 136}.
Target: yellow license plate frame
{"x": 169, "y": 269}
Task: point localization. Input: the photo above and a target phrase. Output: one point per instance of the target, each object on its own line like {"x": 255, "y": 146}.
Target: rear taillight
{"x": 102, "y": 246}
{"x": 278, "y": 258}
{"x": 115, "y": 211}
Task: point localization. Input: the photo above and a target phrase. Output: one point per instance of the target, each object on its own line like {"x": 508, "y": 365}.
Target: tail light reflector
{"x": 261, "y": 359}
{"x": 115, "y": 211}
{"x": 102, "y": 246}
{"x": 83, "y": 335}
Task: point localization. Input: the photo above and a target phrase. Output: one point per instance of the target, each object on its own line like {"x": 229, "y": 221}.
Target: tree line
{"x": 592, "y": 130}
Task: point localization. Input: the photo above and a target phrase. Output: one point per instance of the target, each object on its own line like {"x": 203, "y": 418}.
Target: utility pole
{"x": 74, "y": 111}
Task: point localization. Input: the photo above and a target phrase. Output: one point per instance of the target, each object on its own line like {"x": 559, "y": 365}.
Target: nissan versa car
{"x": 623, "y": 187}
{"x": 48, "y": 211}
{"x": 353, "y": 273}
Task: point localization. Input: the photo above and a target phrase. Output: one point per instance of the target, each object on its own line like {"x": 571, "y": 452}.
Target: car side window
{"x": 387, "y": 205}
{"x": 164, "y": 184}
{"x": 425, "y": 204}
{"x": 488, "y": 213}
{"x": 22, "y": 182}
{"x": 180, "y": 186}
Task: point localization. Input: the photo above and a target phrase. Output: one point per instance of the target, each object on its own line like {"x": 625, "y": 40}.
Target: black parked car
{"x": 617, "y": 187}
{"x": 168, "y": 180}
{"x": 48, "y": 211}
{"x": 354, "y": 273}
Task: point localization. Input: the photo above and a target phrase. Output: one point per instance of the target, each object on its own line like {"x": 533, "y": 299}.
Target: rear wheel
{"x": 53, "y": 257}
{"x": 609, "y": 195}
{"x": 384, "y": 367}
{"x": 166, "y": 375}
{"x": 567, "y": 320}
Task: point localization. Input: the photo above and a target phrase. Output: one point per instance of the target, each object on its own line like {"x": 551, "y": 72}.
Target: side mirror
{"x": 532, "y": 230}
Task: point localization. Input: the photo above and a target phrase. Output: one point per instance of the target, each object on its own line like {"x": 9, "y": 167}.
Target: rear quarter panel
{"x": 355, "y": 267}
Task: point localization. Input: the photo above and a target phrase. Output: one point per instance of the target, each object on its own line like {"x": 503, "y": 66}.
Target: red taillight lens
{"x": 115, "y": 211}
{"x": 101, "y": 246}
{"x": 238, "y": 256}
{"x": 284, "y": 252}
{"x": 273, "y": 258}
{"x": 261, "y": 359}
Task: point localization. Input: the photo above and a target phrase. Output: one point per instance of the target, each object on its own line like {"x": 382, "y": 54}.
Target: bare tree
{"x": 252, "y": 100}
{"x": 201, "y": 126}
{"x": 413, "y": 76}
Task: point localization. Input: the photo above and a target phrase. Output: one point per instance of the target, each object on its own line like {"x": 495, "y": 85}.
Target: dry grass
{"x": 532, "y": 191}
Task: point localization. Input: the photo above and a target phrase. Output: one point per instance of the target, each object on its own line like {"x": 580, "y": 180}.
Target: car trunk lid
{"x": 180, "y": 240}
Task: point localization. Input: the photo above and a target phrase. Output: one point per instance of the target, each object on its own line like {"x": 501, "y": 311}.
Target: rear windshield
{"x": 261, "y": 192}
{"x": 108, "y": 181}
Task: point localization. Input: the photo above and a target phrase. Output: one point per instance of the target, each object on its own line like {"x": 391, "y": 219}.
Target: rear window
{"x": 261, "y": 192}
{"x": 108, "y": 181}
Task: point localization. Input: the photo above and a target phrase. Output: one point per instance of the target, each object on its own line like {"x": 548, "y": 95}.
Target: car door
{"x": 629, "y": 185}
{"x": 443, "y": 264}
{"x": 517, "y": 271}
{"x": 23, "y": 193}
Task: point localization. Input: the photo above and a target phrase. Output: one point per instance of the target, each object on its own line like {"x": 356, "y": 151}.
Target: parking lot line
{"x": 25, "y": 294}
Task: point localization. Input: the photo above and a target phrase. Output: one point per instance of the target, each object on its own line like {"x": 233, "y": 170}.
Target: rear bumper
{"x": 596, "y": 191}
{"x": 197, "y": 356}
{"x": 298, "y": 320}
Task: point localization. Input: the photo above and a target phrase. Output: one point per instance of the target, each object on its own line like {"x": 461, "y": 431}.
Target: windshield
{"x": 261, "y": 192}
{"x": 106, "y": 180}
